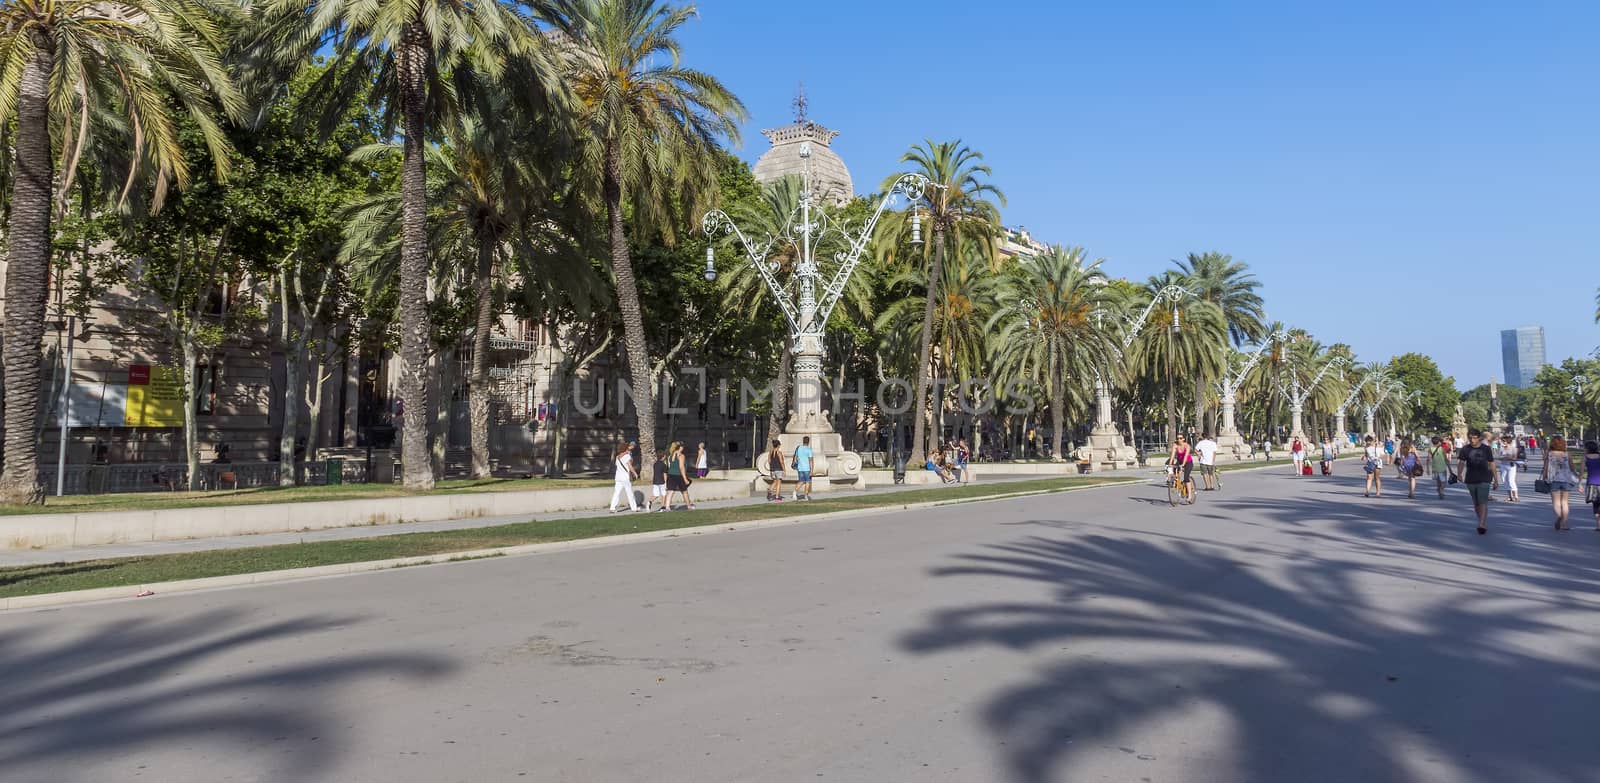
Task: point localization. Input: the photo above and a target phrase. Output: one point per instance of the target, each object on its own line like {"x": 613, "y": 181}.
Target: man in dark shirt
{"x": 1476, "y": 469}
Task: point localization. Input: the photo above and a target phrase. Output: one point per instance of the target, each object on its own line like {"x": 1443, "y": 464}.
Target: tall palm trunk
{"x": 919, "y": 428}
{"x": 27, "y": 277}
{"x": 1200, "y": 403}
{"x": 1172, "y": 406}
{"x": 1058, "y": 405}
{"x": 479, "y": 405}
{"x": 644, "y": 395}
{"x": 414, "y": 48}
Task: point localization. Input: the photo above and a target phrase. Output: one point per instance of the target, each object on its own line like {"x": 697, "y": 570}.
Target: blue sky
{"x": 1406, "y": 176}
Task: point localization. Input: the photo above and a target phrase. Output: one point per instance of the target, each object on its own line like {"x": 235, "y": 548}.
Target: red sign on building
{"x": 138, "y": 375}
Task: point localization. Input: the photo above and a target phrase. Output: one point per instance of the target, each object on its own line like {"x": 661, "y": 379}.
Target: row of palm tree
{"x": 108, "y": 85}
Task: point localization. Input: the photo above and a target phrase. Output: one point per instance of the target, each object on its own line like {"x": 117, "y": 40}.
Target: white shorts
{"x": 1299, "y": 456}
{"x": 658, "y": 490}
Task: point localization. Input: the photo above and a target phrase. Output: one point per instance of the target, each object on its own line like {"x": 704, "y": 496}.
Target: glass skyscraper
{"x": 1522, "y": 351}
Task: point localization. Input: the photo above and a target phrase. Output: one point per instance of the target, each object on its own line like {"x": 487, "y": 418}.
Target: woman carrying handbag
{"x": 1591, "y": 483}
{"x": 1558, "y": 479}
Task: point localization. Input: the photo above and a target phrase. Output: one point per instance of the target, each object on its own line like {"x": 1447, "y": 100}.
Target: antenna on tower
{"x": 800, "y": 104}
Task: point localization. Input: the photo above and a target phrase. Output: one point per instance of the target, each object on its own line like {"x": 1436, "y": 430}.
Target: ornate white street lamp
{"x": 1298, "y": 393}
{"x": 1228, "y": 437}
{"x": 1105, "y": 441}
{"x": 806, "y": 310}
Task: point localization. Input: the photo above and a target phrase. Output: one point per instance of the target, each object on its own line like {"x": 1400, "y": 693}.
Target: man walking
{"x": 1477, "y": 470}
{"x": 1206, "y": 454}
{"x": 802, "y": 467}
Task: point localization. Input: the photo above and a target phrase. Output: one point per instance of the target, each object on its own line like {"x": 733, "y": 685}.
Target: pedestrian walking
{"x": 702, "y": 465}
{"x": 622, "y": 477}
{"x": 1559, "y": 477}
{"x": 1388, "y": 450}
{"x": 963, "y": 455}
{"x": 1372, "y": 463}
{"x": 1476, "y": 470}
{"x": 1410, "y": 466}
{"x": 1510, "y": 454}
{"x": 775, "y": 467}
{"x": 1266, "y": 447}
{"x": 1439, "y": 463}
{"x": 802, "y": 469}
{"x": 678, "y": 475}
{"x": 658, "y": 484}
{"x": 1297, "y": 451}
{"x": 1591, "y": 484}
{"x": 1328, "y": 456}
{"x": 1205, "y": 453}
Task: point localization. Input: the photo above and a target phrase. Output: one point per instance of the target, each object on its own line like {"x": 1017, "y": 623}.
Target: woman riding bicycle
{"x": 1183, "y": 459}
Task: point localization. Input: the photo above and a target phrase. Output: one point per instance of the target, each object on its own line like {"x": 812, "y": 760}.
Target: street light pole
{"x": 1228, "y": 437}
{"x": 816, "y": 295}
{"x": 1105, "y": 442}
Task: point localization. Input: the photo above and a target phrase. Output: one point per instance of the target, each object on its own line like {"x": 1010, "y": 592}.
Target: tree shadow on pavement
{"x": 1336, "y": 641}
{"x": 122, "y": 689}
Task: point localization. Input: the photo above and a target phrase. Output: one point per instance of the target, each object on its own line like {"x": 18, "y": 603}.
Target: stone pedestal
{"x": 1106, "y": 448}
{"x": 1230, "y": 444}
{"x": 831, "y": 464}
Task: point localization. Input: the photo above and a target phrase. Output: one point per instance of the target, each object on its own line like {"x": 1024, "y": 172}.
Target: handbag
{"x": 1541, "y": 486}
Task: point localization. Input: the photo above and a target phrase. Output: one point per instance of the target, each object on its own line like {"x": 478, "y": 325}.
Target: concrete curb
{"x": 130, "y": 592}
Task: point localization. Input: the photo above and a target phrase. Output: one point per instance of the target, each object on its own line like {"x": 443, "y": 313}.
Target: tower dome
{"x": 830, "y": 179}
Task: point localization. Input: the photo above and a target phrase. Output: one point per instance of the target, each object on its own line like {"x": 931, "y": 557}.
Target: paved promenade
{"x": 1284, "y": 630}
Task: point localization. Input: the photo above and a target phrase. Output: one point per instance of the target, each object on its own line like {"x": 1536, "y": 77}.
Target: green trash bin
{"x": 335, "y": 470}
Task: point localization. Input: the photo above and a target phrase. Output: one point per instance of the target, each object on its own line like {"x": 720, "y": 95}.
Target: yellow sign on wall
{"x": 155, "y": 397}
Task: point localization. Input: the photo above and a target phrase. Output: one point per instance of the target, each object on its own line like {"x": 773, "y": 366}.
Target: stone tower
{"x": 830, "y": 179}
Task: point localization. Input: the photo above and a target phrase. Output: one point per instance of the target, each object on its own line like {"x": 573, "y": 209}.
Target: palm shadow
{"x": 113, "y": 690}
{"x": 1342, "y": 645}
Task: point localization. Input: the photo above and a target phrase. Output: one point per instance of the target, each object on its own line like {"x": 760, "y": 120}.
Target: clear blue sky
{"x": 1410, "y": 176}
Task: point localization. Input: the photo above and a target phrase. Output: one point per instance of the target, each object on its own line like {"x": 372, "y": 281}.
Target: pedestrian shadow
{"x": 114, "y": 690}
{"x": 1295, "y": 644}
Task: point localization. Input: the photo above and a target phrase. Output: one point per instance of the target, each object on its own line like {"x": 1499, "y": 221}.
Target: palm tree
{"x": 966, "y": 297}
{"x": 1188, "y": 343}
{"x": 651, "y": 128}
{"x": 958, "y": 205}
{"x": 76, "y": 69}
{"x": 429, "y": 55}
{"x": 1216, "y": 278}
{"x": 1047, "y": 327}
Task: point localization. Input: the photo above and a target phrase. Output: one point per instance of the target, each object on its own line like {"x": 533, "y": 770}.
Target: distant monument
{"x": 830, "y": 179}
{"x": 1497, "y": 420}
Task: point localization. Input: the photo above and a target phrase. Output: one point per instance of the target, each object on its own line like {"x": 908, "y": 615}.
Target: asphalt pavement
{"x": 1282, "y": 630}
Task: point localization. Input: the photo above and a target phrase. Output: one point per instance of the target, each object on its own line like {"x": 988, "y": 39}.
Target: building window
{"x": 205, "y": 389}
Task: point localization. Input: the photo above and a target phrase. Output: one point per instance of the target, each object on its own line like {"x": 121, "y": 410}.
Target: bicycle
{"x": 1178, "y": 489}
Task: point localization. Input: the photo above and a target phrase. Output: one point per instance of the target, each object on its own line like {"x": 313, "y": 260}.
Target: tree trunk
{"x": 1172, "y": 408}
{"x": 191, "y": 435}
{"x": 780, "y": 395}
{"x": 316, "y": 378}
{"x": 1200, "y": 403}
{"x": 413, "y": 63}
{"x": 644, "y": 394}
{"x": 919, "y": 429}
{"x": 442, "y": 392}
{"x": 294, "y": 388}
{"x": 479, "y": 385}
{"x": 1058, "y": 419}
{"x": 27, "y": 277}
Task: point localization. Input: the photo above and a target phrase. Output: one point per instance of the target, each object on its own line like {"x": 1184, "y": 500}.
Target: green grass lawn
{"x": 142, "y": 501}
{"x": 129, "y": 571}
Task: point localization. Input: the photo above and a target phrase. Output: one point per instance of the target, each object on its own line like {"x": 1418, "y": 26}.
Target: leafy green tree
{"x": 75, "y": 70}
{"x": 430, "y": 55}
{"x": 1434, "y": 408}
{"x": 650, "y": 128}
{"x": 960, "y": 204}
{"x": 1564, "y": 396}
{"x": 1047, "y": 328}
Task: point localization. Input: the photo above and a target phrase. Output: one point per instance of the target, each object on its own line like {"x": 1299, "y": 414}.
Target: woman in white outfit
{"x": 625, "y": 474}
{"x": 1506, "y": 459}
